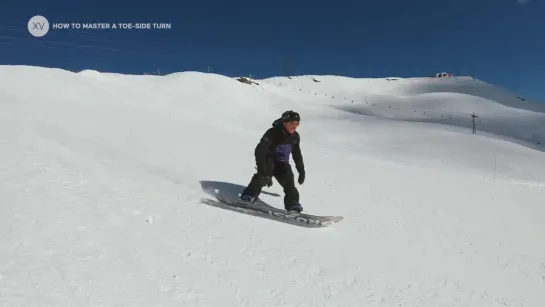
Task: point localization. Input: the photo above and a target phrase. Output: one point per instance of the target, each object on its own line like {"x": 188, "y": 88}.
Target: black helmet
{"x": 290, "y": 115}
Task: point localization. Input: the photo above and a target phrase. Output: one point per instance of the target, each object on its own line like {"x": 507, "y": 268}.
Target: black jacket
{"x": 275, "y": 146}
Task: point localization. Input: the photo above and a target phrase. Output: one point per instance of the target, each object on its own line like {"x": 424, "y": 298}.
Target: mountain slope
{"x": 100, "y": 188}
{"x": 449, "y": 101}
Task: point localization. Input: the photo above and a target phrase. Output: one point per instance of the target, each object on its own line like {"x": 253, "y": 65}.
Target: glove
{"x": 266, "y": 181}
{"x": 301, "y": 178}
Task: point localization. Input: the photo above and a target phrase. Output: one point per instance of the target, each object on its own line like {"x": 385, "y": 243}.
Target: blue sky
{"x": 499, "y": 41}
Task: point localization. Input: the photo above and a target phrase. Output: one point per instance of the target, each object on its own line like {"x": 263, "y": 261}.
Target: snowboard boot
{"x": 295, "y": 208}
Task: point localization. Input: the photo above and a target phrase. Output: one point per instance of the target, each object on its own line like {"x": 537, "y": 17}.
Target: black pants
{"x": 284, "y": 175}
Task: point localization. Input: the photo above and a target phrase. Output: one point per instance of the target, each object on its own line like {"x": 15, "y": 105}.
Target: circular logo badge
{"x": 38, "y": 26}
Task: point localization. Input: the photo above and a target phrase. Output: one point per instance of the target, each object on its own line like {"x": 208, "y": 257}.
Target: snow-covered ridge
{"x": 451, "y": 101}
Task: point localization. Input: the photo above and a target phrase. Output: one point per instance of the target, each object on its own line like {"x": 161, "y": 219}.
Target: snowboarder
{"x": 272, "y": 156}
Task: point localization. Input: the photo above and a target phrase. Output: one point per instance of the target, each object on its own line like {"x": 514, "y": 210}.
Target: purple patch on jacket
{"x": 282, "y": 153}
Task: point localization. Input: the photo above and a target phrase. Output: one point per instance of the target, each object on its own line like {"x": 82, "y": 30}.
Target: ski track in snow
{"x": 100, "y": 201}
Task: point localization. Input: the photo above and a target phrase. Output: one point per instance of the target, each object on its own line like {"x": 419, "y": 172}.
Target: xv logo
{"x": 38, "y": 26}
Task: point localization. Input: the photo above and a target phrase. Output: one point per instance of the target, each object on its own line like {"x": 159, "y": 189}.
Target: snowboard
{"x": 265, "y": 210}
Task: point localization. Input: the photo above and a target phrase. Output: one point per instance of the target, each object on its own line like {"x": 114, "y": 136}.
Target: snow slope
{"x": 449, "y": 101}
{"x": 102, "y": 175}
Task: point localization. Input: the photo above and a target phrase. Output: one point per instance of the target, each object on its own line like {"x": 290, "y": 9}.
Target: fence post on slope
{"x": 495, "y": 165}
{"x": 474, "y": 123}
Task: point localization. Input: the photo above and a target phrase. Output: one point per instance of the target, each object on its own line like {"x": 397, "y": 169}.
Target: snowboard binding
{"x": 251, "y": 200}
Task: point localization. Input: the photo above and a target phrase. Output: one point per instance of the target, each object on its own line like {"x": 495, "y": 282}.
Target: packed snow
{"x": 102, "y": 176}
